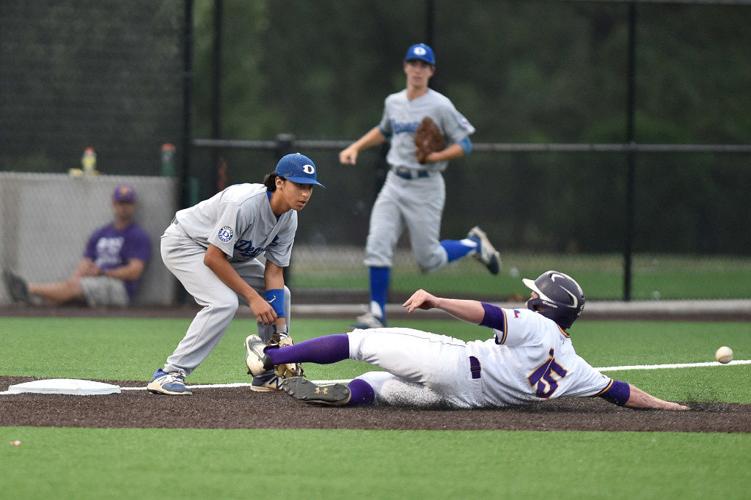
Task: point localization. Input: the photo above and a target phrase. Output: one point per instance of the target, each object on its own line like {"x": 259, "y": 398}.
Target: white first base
{"x": 69, "y": 386}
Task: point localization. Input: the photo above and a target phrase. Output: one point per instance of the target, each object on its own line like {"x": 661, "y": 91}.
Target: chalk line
{"x": 738, "y": 362}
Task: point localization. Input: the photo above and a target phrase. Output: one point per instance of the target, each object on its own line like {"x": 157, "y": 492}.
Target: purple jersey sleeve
{"x": 616, "y": 392}
{"x": 493, "y": 317}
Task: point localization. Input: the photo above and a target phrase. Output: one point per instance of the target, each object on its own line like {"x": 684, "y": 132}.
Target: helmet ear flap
{"x": 535, "y": 304}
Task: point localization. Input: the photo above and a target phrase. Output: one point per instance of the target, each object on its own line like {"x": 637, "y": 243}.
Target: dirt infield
{"x": 239, "y": 408}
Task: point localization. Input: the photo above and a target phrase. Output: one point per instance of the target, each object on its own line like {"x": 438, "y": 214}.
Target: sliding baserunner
{"x": 529, "y": 358}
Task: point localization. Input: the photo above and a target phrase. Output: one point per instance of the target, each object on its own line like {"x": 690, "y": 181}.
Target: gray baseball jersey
{"x": 402, "y": 116}
{"x": 240, "y": 222}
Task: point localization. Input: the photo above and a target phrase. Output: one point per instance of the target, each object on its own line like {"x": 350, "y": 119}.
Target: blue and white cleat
{"x": 171, "y": 384}
{"x": 486, "y": 252}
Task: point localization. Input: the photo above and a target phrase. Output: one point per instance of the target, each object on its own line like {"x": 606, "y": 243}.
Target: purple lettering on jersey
{"x": 543, "y": 378}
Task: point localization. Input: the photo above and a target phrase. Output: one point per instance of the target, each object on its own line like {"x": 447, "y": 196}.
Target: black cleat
{"x": 316, "y": 394}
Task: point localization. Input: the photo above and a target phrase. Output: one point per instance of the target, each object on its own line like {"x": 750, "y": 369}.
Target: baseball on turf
{"x": 724, "y": 354}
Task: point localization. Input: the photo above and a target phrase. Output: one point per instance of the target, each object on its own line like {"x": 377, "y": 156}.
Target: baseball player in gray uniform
{"x": 414, "y": 194}
{"x": 529, "y": 358}
{"x": 213, "y": 249}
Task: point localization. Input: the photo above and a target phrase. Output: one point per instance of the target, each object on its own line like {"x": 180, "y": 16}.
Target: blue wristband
{"x": 275, "y": 297}
{"x": 466, "y": 146}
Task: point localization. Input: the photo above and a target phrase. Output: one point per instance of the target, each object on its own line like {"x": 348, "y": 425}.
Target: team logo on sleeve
{"x": 225, "y": 234}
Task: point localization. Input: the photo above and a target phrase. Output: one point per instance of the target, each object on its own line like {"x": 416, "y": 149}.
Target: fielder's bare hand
{"x": 262, "y": 310}
{"x": 421, "y": 299}
{"x": 348, "y": 156}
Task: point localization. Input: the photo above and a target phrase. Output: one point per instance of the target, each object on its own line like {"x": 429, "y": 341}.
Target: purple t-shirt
{"x": 110, "y": 248}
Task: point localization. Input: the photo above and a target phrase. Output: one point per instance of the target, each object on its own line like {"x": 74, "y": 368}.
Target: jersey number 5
{"x": 545, "y": 378}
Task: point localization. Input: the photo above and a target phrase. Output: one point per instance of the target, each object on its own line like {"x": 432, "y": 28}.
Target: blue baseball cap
{"x": 298, "y": 168}
{"x": 420, "y": 52}
{"x": 124, "y": 194}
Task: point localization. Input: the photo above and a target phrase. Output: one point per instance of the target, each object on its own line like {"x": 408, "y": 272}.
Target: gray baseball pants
{"x": 184, "y": 258}
{"x": 416, "y": 204}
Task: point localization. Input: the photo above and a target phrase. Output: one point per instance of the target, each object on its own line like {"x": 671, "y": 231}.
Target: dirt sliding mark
{"x": 239, "y": 408}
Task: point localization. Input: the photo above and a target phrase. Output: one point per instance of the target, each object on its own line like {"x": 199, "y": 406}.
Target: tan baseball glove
{"x": 428, "y": 139}
{"x": 282, "y": 339}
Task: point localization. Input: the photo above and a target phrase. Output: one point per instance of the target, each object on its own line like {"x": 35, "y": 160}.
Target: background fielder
{"x": 529, "y": 358}
{"x": 414, "y": 194}
{"x": 212, "y": 248}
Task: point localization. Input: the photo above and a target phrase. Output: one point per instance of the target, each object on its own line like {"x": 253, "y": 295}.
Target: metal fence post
{"x": 285, "y": 144}
{"x": 216, "y": 96}
{"x": 630, "y": 155}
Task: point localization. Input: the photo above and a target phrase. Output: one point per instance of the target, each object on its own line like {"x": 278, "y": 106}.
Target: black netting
{"x": 99, "y": 73}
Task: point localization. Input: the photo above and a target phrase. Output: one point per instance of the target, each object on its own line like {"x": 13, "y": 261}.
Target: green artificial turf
{"x": 184, "y": 464}
{"x": 197, "y": 464}
{"x": 654, "y": 276}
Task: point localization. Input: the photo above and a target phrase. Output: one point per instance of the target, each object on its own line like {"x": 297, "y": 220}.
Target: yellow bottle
{"x": 88, "y": 161}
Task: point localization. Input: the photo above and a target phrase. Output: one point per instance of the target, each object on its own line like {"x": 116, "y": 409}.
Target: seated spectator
{"x": 109, "y": 272}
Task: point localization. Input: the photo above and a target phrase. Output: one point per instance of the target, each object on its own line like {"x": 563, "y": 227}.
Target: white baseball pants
{"x": 424, "y": 369}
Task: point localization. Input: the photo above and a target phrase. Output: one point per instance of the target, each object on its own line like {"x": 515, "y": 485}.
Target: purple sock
{"x": 321, "y": 350}
{"x": 362, "y": 393}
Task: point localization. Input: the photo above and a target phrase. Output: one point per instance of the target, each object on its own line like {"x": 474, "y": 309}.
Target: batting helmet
{"x": 560, "y": 297}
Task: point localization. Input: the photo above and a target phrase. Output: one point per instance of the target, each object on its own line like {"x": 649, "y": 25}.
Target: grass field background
{"x": 242, "y": 464}
{"x": 601, "y": 276}
{"x": 164, "y": 464}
